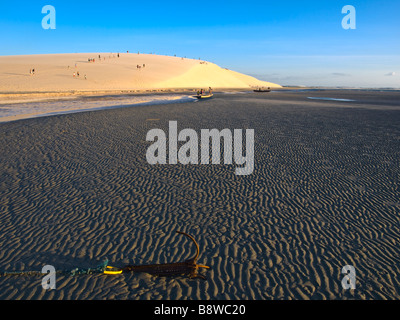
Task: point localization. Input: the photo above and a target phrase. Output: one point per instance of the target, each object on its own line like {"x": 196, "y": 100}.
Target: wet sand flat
{"x": 76, "y": 189}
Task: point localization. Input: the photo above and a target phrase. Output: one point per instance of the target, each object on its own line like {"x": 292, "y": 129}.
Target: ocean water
{"x": 70, "y": 105}
{"x": 330, "y": 99}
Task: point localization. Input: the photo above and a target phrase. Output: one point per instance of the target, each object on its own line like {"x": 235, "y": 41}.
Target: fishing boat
{"x": 204, "y": 96}
{"x": 262, "y": 90}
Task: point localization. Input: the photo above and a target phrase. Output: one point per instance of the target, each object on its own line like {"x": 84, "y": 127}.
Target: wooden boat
{"x": 204, "y": 96}
{"x": 262, "y": 90}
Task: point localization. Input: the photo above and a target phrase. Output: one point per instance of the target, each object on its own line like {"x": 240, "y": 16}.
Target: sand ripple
{"x": 76, "y": 189}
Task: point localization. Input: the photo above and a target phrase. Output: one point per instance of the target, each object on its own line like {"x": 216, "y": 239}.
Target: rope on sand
{"x": 102, "y": 268}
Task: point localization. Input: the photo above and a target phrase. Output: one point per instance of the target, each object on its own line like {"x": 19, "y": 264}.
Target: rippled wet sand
{"x": 76, "y": 189}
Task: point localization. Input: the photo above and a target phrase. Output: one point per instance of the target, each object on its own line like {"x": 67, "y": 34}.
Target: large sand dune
{"x": 55, "y": 73}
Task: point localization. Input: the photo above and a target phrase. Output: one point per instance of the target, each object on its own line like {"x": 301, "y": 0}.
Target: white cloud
{"x": 390, "y": 74}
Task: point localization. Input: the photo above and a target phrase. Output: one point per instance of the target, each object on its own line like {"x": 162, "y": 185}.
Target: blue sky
{"x": 288, "y": 42}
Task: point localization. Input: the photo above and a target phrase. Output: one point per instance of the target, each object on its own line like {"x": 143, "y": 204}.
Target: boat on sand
{"x": 204, "y": 96}
{"x": 262, "y": 89}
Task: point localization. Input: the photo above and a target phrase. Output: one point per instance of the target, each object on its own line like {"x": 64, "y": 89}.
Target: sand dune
{"x": 54, "y": 73}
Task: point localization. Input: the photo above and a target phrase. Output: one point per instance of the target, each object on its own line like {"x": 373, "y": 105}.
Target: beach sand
{"x": 76, "y": 189}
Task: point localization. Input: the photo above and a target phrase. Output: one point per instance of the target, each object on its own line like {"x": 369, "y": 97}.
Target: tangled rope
{"x": 77, "y": 271}
{"x": 188, "y": 267}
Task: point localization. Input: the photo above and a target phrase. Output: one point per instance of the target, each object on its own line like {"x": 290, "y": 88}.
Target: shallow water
{"x": 9, "y": 112}
{"x": 330, "y": 99}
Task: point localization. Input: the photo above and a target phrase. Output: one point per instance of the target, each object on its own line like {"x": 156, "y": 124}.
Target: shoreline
{"x": 40, "y": 104}
{"x": 27, "y": 96}
{"x": 24, "y": 97}
{"x": 20, "y": 110}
